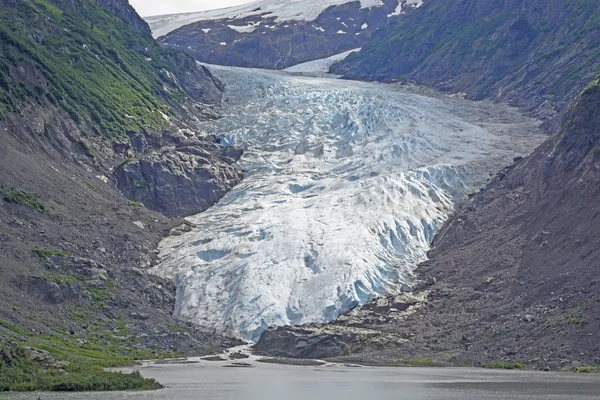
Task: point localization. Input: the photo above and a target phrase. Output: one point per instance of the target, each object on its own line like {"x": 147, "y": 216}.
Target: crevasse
{"x": 346, "y": 185}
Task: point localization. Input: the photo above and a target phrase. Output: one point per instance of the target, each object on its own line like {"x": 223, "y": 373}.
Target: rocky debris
{"x": 43, "y": 357}
{"x": 51, "y": 292}
{"x": 430, "y": 281}
{"x": 322, "y": 342}
{"x": 214, "y": 358}
{"x": 181, "y": 230}
{"x": 352, "y": 333}
{"x": 291, "y": 361}
{"x": 238, "y": 356}
{"x": 238, "y": 365}
{"x": 79, "y": 266}
{"x": 181, "y": 181}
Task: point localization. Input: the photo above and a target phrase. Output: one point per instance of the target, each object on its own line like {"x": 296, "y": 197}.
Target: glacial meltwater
{"x": 346, "y": 184}
{"x": 212, "y": 381}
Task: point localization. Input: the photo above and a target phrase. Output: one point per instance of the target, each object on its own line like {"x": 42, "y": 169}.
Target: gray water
{"x": 270, "y": 382}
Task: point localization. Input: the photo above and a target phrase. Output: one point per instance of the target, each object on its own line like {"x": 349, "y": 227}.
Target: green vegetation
{"x": 25, "y": 199}
{"x": 23, "y": 375}
{"x": 88, "y": 150}
{"x": 129, "y": 160}
{"x": 76, "y": 365}
{"x": 504, "y": 365}
{"x": 135, "y": 204}
{"x": 418, "y": 362}
{"x": 101, "y": 295}
{"x": 46, "y": 253}
{"x": 588, "y": 369}
{"x": 92, "y": 186}
{"x": 141, "y": 185}
{"x": 93, "y": 65}
{"x": 572, "y": 317}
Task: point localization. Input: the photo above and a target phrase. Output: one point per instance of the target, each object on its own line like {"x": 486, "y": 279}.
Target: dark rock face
{"x": 77, "y": 266}
{"x": 278, "y": 45}
{"x": 537, "y": 55}
{"x": 516, "y": 268}
{"x": 52, "y": 292}
{"x": 354, "y": 333}
{"x": 123, "y": 10}
{"x": 181, "y": 182}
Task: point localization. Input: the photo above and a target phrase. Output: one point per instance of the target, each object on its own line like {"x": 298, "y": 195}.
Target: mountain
{"x": 512, "y": 278}
{"x": 91, "y": 108}
{"x": 537, "y": 55}
{"x": 277, "y": 34}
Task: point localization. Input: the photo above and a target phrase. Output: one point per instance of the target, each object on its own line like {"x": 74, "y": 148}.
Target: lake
{"x": 212, "y": 380}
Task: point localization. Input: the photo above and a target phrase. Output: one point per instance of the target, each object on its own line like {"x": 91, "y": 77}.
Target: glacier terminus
{"x": 346, "y": 185}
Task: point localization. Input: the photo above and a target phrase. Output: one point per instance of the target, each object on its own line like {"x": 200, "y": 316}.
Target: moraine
{"x": 346, "y": 185}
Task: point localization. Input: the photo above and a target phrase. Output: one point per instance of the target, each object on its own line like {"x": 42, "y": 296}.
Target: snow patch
{"x": 320, "y": 66}
{"x": 246, "y": 28}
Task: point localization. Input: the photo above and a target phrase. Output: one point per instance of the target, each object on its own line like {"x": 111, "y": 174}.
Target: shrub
{"x": 25, "y": 199}
{"x": 46, "y": 253}
{"x": 587, "y": 369}
{"x": 504, "y": 365}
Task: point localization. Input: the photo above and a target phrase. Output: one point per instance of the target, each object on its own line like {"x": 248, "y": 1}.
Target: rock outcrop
{"x": 182, "y": 181}
{"x": 353, "y": 333}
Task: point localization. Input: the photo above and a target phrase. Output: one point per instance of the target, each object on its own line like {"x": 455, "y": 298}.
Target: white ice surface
{"x": 346, "y": 185}
{"x": 321, "y": 65}
{"x": 283, "y": 10}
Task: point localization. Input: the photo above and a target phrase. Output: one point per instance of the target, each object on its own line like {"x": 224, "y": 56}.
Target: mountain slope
{"x": 277, "y": 34}
{"x": 532, "y": 54}
{"x": 86, "y": 92}
{"x": 512, "y": 278}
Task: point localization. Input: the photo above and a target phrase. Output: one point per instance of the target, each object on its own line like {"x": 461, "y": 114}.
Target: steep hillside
{"x": 535, "y": 54}
{"x": 512, "y": 278}
{"x": 277, "y": 34}
{"x": 87, "y": 99}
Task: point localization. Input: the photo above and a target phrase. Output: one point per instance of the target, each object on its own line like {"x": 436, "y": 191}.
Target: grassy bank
{"x": 61, "y": 363}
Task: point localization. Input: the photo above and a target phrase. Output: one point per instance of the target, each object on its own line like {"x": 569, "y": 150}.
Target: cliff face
{"x": 513, "y": 276}
{"x": 123, "y": 10}
{"x": 81, "y": 92}
{"x": 535, "y": 55}
{"x": 252, "y": 37}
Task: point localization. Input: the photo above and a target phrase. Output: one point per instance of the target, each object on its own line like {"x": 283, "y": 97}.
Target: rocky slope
{"x": 537, "y": 54}
{"x": 512, "y": 278}
{"x": 277, "y": 34}
{"x": 82, "y": 92}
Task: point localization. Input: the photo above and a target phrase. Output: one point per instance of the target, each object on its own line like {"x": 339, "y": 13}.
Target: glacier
{"x": 346, "y": 185}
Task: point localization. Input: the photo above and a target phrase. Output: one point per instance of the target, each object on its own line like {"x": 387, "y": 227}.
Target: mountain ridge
{"x": 536, "y": 55}
{"x": 277, "y": 34}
